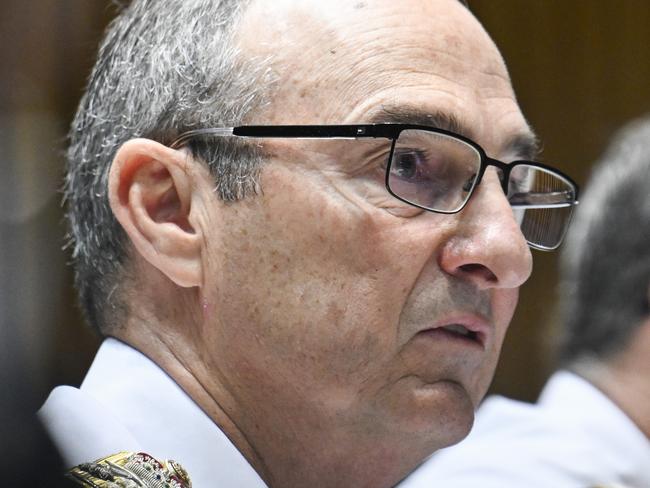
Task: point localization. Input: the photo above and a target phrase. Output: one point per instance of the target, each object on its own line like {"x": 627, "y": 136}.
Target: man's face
{"x": 325, "y": 297}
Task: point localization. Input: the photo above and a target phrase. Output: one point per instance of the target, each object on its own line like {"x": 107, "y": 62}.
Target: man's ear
{"x": 150, "y": 192}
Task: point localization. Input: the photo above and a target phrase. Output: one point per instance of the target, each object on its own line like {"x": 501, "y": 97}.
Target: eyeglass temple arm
{"x": 214, "y": 131}
{"x": 556, "y": 199}
{"x": 388, "y": 131}
{"x": 319, "y": 131}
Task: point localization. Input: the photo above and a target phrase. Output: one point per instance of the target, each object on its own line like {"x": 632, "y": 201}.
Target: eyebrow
{"x": 413, "y": 116}
{"x": 524, "y": 145}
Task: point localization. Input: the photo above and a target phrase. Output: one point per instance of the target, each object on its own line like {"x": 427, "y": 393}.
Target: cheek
{"x": 303, "y": 286}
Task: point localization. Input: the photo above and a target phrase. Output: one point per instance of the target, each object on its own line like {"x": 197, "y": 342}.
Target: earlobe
{"x": 150, "y": 193}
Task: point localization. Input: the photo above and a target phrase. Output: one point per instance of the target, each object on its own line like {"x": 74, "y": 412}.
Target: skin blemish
{"x": 205, "y": 309}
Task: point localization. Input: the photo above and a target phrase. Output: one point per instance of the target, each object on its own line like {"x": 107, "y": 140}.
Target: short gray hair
{"x": 606, "y": 259}
{"x": 164, "y": 66}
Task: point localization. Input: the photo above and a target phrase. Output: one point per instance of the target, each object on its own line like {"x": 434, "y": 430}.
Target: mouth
{"x": 460, "y": 330}
{"x": 469, "y": 329}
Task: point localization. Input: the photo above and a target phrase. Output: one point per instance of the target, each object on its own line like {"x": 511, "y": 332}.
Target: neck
{"x": 286, "y": 449}
{"x": 172, "y": 353}
{"x": 304, "y": 454}
{"x": 288, "y": 444}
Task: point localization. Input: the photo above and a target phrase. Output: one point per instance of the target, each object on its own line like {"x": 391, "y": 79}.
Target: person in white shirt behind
{"x": 591, "y": 424}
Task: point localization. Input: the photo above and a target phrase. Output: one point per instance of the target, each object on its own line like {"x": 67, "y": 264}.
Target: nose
{"x": 488, "y": 247}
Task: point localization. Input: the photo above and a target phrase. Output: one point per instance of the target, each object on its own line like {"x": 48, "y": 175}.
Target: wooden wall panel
{"x": 581, "y": 69}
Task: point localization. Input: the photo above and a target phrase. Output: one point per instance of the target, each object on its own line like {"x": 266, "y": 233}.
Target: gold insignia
{"x": 131, "y": 470}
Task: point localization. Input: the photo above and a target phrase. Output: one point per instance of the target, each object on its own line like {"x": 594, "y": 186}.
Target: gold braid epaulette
{"x": 131, "y": 470}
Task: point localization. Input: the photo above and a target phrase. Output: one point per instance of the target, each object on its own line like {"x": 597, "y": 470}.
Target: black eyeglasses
{"x": 438, "y": 170}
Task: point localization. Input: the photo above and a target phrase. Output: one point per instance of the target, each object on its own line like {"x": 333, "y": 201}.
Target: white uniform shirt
{"x": 574, "y": 437}
{"x": 127, "y": 403}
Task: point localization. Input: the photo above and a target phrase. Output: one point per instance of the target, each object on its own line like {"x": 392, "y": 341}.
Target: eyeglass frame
{"x": 390, "y": 131}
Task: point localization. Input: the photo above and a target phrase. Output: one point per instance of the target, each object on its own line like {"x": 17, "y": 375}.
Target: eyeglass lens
{"x": 432, "y": 170}
{"x": 542, "y": 202}
{"x": 439, "y": 172}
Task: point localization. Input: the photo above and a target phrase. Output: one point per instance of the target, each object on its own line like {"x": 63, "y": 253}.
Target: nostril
{"x": 479, "y": 270}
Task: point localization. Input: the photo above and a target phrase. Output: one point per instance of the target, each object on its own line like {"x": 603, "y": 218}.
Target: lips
{"x": 461, "y": 330}
{"x": 466, "y": 327}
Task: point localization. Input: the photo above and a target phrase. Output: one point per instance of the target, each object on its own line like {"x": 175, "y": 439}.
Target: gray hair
{"x": 606, "y": 259}
{"x": 164, "y": 66}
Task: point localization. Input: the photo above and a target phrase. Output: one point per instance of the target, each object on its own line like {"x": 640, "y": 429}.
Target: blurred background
{"x": 580, "y": 69}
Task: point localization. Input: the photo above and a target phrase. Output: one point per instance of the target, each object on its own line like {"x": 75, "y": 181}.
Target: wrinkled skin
{"x": 321, "y": 284}
{"x": 309, "y": 345}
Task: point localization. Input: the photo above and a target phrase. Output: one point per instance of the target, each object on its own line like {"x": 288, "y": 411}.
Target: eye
{"x": 469, "y": 183}
{"x": 409, "y": 164}
{"x": 434, "y": 171}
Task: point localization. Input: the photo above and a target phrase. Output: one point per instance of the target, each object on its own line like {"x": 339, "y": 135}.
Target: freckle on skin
{"x": 334, "y": 314}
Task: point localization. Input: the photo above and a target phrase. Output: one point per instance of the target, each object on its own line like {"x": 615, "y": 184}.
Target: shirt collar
{"x": 163, "y": 418}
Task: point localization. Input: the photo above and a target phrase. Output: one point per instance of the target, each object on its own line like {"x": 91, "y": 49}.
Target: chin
{"x": 440, "y": 413}
{"x": 454, "y": 426}
{"x": 458, "y": 431}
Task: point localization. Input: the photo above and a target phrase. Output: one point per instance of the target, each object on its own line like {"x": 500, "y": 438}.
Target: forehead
{"x": 339, "y": 61}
